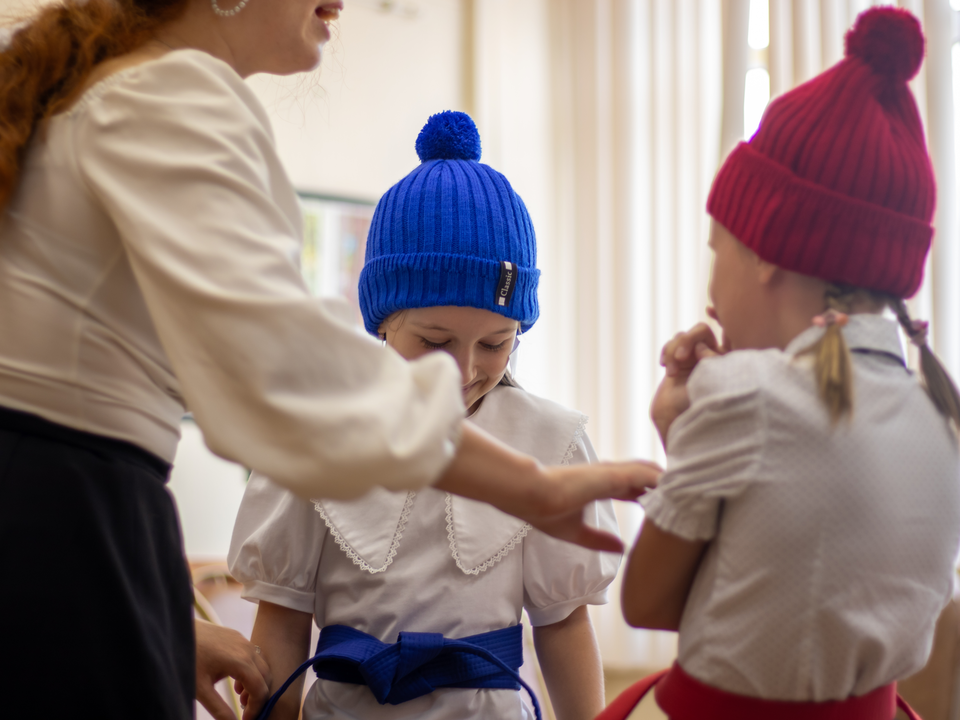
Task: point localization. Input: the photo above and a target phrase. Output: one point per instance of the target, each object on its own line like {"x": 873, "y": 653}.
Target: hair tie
{"x": 918, "y": 332}
{"x": 831, "y": 317}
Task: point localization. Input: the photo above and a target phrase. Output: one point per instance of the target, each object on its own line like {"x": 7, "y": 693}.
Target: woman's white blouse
{"x": 831, "y": 547}
{"x": 425, "y": 562}
{"x": 148, "y": 264}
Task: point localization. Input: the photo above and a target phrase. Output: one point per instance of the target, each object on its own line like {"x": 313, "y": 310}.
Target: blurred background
{"x": 610, "y": 118}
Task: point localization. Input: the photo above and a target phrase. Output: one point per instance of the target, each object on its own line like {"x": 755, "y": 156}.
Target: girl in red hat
{"x": 803, "y": 537}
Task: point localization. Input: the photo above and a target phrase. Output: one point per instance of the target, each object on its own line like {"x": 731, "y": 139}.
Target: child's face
{"x": 479, "y": 340}
{"x": 739, "y": 291}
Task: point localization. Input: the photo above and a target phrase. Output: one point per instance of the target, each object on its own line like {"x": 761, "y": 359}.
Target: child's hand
{"x": 680, "y": 356}
{"x": 682, "y": 353}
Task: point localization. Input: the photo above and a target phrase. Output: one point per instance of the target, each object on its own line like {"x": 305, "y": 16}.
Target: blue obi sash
{"x": 416, "y": 665}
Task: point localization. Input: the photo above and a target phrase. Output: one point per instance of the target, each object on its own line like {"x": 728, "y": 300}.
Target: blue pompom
{"x": 449, "y": 135}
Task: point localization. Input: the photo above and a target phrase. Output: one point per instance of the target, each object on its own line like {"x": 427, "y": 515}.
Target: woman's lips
{"x": 329, "y": 11}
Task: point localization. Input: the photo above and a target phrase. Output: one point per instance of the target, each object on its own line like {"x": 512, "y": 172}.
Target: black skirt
{"x": 95, "y": 597}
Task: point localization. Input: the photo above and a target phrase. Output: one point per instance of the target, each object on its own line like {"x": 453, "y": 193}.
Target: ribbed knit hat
{"x": 837, "y": 183}
{"x": 452, "y": 232}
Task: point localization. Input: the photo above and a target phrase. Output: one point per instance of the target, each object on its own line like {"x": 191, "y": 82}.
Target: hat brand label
{"x": 507, "y": 283}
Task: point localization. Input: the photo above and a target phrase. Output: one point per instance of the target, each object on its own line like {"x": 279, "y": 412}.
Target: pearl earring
{"x": 228, "y": 13}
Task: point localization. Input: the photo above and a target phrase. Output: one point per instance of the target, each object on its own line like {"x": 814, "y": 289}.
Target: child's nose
{"x": 468, "y": 368}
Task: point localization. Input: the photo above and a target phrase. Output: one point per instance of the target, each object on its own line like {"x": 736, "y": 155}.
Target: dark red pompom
{"x": 889, "y": 40}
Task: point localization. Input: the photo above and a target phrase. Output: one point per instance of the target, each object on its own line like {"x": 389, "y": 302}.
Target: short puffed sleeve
{"x": 559, "y": 577}
{"x": 715, "y": 448}
{"x": 275, "y": 548}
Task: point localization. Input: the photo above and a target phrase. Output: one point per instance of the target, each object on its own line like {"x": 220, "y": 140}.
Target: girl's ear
{"x": 767, "y": 273}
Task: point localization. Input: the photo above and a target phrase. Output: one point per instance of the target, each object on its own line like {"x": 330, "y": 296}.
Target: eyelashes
{"x": 439, "y": 346}
{"x": 494, "y": 348}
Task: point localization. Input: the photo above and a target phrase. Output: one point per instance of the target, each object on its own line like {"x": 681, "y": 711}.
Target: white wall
{"x": 208, "y": 490}
{"x": 350, "y": 129}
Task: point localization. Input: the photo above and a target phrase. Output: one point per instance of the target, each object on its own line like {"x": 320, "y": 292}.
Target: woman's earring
{"x": 228, "y": 13}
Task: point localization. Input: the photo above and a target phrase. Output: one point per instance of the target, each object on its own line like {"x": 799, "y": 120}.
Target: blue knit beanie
{"x": 452, "y": 232}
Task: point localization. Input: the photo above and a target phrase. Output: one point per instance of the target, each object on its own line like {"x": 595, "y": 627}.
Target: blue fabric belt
{"x": 416, "y": 665}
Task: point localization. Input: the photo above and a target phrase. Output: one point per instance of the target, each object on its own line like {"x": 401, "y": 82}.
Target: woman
{"x": 147, "y": 266}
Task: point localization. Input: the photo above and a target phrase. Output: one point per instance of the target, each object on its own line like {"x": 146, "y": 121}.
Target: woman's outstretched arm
{"x": 549, "y": 498}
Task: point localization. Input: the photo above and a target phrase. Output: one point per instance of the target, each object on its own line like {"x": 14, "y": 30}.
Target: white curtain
{"x": 605, "y": 116}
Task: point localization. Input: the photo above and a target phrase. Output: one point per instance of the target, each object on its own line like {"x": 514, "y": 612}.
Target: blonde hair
{"x": 833, "y": 368}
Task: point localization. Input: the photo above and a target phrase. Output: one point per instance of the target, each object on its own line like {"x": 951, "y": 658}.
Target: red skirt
{"x": 682, "y": 697}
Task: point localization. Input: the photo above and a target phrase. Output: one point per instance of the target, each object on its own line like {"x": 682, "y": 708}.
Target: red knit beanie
{"x": 837, "y": 182}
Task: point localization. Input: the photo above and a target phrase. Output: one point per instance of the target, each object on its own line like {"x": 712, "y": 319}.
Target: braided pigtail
{"x": 832, "y": 366}
{"x": 939, "y": 386}
{"x": 45, "y": 64}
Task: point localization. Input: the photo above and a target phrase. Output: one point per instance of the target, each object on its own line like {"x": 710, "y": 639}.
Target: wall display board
{"x": 334, "y": 244}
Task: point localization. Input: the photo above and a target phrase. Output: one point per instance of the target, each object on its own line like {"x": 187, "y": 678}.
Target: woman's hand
{"x": 557, "y": 506}
{"x": 222, "y": 652}
{"x": 680, "y": 356}
{"x": 284, "y": 636}
{"x": 551, "y": 499}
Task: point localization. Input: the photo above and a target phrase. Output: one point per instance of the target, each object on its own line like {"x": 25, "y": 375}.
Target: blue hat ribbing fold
{"x": 452, "y": 232}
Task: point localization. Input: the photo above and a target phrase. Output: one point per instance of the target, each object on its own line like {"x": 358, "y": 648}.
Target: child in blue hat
{"x": 419, "y": 595}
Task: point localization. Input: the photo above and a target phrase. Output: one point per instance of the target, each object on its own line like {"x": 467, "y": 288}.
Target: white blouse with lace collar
{"x": 425, "y": 561}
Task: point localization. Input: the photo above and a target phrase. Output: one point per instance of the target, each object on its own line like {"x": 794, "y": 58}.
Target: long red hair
{"x": 49, "y": 58}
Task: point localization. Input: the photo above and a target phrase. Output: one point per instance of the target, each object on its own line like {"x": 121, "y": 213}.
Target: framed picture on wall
{"x": 334, "y": 244}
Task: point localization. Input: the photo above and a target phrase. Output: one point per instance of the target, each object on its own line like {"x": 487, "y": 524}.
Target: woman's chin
{"x": 306, "y": 61}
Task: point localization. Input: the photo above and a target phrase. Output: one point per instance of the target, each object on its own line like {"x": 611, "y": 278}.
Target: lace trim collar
{"x": 499, "y": 555}
{"x": 369, "y": 530}
{"x": 351, "y": 553}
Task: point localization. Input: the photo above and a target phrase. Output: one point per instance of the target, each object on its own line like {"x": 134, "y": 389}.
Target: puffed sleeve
{"x": 181, "y": 155}
{"x": 714, "y": 449}
{"x": 276, "y": 546}
{"x": 559, "y": 577}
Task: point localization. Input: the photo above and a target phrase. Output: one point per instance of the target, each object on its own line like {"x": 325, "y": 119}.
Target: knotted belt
{"x": 415, "y": 665}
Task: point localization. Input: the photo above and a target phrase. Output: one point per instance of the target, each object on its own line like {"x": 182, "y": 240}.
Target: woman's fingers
{"x": 621, "y": 481}
{"x": 573, "y": 487}
{"x": 213, "y": 703}
{"x": 255, "y": 678}
{"x": 222, "y": 652}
